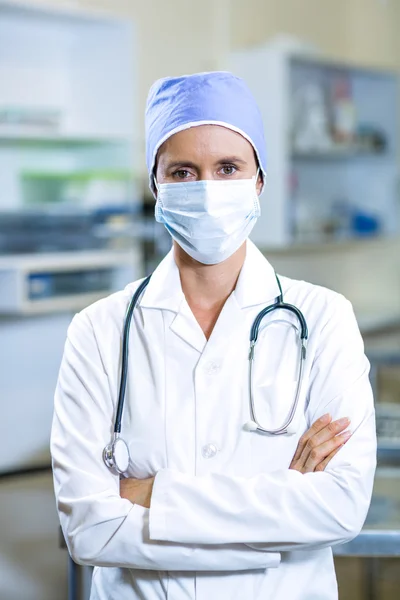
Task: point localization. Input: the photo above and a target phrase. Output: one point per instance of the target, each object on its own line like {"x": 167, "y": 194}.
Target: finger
{"x": 315, "y": 428}
{"x": 324, "y": 463}
{"x": 321, "y": 431}
{"x": 320, "y": 453}
{"x": 331, "y": 430}
{"x": 327, "y": 433}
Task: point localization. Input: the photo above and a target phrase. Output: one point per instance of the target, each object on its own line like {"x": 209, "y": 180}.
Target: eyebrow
{"x": 181, "y": 163}
{"x": 231, "y": 159}
{"x": 222, "y": 161}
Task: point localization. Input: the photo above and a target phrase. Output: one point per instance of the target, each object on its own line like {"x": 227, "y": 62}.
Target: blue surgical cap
{"x": 216, "y": 98}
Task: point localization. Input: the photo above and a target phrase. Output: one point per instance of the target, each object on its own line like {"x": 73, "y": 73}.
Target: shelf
{"x": 336, "y": 154}
{"x": 326, "y": 246}
{"x": 66, "y": 261}
{"x": 319, "y": 60}
{"x": 28, "y": 138}
{"x": 70, "y": 303}
{"x": 16, "y": 271}
{"x": 66, "y": 11}
{"x": 295, "y": 92}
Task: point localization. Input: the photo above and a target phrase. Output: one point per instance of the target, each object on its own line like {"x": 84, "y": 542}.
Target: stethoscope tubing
{"x": 254, "y": 331}
{"x": 125, "y": 353}
{"x": 109, "y": 456}
{"x": 289, "y": 419}
{"x": 279, "y": 305}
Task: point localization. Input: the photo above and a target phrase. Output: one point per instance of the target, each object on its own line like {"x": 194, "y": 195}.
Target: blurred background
{"x": 76, "y": 217}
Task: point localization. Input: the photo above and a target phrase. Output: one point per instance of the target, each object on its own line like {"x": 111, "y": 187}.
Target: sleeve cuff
{"x": 158, "y": 506}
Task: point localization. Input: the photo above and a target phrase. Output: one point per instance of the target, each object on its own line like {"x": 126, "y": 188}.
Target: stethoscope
{"x": 116, "y": 454}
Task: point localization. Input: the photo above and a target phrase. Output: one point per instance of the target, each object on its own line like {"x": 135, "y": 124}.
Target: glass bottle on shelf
{"x": 306, "y": 222}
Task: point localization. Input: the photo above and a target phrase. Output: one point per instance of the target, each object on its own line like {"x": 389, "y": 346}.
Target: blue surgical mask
{"x": 209, "y": 219}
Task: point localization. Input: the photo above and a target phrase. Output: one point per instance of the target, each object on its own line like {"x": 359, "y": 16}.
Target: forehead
{"x": 206, "y": 140}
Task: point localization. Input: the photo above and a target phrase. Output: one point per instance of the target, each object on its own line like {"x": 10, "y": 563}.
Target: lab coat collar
{"x": 256, "y": 283}
{"x": 164, "y": 289}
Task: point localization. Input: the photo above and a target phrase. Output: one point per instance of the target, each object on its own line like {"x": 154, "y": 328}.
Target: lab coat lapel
{"x": 187, "y": 328}
{"x": 229, "y": 324}
{"x": 256, "y": 287}
{"x": 165, "y": 292}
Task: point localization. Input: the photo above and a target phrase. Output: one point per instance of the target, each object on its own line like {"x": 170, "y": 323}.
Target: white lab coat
{"x": 228, "y": 519}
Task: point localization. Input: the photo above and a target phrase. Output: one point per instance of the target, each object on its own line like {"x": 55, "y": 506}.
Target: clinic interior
{"x": 77, "y": 217}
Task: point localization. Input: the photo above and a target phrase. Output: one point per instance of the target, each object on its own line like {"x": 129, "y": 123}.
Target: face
{"x": 206, "y": 152}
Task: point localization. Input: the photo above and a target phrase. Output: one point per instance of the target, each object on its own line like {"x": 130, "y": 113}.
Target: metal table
{"x": 380, "y": 537}
{"x": 372, "y": 543}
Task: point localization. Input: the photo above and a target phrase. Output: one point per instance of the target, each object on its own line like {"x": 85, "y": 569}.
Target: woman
{"x": 208, "y": 508}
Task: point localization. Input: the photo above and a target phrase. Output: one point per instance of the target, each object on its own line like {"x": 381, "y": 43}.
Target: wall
{"x": 321, "y": 22}
{"x": 365, "y": 31}
{"x": 174, "y": 37}
{"x": 372, "y": 32}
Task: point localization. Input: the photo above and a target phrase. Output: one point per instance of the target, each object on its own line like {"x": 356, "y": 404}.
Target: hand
{"x": 319, "y": 444}
{"x": 138, "y": 491}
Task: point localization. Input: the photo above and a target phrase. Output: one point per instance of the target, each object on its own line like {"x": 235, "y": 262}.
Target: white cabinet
{"x": 323, "y": 187}
{"x": 67, "y": 96}
{"x": 67, "y": 114}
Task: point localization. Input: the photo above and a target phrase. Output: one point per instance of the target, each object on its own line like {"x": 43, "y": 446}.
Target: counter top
{"x": 371, "y": 323}
{"x": 57, "y": 260}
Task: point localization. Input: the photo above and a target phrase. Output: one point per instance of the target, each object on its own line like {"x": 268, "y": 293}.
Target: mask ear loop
{"x": 155, "y": 183}
{"x": 256, "y": 178}
{"x": 257, "y": 199}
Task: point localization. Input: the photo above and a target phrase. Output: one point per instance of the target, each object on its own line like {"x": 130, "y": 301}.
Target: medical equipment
{"x": 116, "y": 454}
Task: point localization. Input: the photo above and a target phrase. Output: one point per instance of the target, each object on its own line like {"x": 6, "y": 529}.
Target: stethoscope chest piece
{"x": 116, "y": 455}
{"x": 291, "y": 429}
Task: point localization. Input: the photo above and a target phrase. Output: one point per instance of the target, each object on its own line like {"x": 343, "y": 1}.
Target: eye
{"x": 181, "y": 174}
{"x": 228, "y": 169}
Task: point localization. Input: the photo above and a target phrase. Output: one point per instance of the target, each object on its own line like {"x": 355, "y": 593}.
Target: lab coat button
{"x": 212, "y": 367}
{"x": 209, "y": 450}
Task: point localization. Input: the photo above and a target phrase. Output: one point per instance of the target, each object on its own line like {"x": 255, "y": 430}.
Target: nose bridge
{"x": 206, "y": 172}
